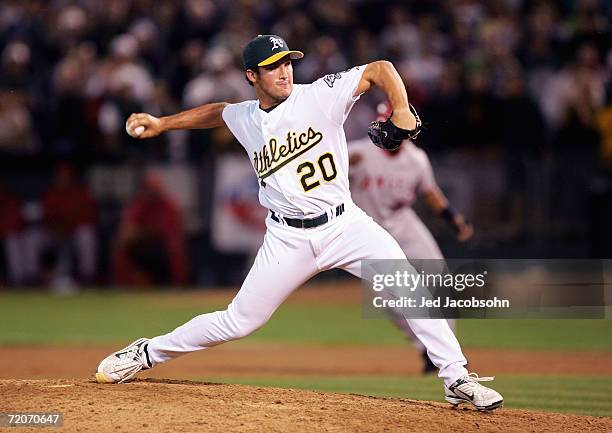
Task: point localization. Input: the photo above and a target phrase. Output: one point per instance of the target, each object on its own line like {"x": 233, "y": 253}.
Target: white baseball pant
{"x": 288, "y": 258}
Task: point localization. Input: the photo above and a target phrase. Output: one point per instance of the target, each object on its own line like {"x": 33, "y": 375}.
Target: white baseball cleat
{"x": 122, "y": 365}
{"x": 467, "y": 390}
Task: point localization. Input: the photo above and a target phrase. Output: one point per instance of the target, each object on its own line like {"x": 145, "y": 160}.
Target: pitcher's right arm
{"x": 202, "y": 117}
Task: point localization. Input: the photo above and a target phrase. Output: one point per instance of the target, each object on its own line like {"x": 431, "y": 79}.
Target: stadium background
{"x": 517, "y": 99}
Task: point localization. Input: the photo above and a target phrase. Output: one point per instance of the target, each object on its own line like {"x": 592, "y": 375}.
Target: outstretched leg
{"x": 283, "y": 263}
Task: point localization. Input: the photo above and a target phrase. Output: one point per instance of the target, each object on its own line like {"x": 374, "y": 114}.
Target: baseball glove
{"x": 388, "y": 136}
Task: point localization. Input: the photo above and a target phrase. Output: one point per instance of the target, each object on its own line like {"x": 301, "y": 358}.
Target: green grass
{"x": 552, "y": 334}
{"x": 84, "y": 318}
{"x": 571, "y": 394}
{"x": 95, "y": 317}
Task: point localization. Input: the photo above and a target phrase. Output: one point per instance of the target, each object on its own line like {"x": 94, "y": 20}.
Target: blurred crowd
{"x": 516, "y": 93}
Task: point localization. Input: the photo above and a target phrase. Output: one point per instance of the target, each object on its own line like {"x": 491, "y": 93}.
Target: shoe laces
{"x": 128, "y": 356}
{"x": 133, "y": 352}
{"x": 471, "y": 381}
{"x": 131, "y": 362}
{"x": 473, "y": 377}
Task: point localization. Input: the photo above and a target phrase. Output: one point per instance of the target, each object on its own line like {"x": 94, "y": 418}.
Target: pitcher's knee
{"x": 244, "y": 329}
{"x": 242, "y": 324}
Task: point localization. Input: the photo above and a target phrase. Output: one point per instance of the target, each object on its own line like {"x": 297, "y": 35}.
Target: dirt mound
{"x": 169, "y": 406}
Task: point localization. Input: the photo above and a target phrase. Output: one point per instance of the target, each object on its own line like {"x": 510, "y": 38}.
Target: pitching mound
{"x": 168, "y": 406}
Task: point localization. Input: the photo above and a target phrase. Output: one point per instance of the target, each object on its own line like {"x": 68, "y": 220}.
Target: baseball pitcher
{"x": 294, "y": 137}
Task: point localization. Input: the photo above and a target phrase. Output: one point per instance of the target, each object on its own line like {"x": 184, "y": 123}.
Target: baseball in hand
{"x": 134, "y": 132}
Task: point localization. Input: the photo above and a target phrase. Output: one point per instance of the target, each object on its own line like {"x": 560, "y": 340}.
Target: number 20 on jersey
{"x": 310, "y": 178}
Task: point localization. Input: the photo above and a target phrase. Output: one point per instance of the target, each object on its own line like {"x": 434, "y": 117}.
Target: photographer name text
{"x": 442, "y": 302}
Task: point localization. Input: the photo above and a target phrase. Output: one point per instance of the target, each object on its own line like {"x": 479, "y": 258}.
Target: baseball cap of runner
{"x": 266, "y": 49}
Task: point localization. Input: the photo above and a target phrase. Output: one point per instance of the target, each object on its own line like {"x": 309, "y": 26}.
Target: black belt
{"x": 307, "y": 223}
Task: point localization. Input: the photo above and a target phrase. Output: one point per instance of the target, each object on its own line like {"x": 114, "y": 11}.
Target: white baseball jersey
{"x": 298, "y": 149}
{"x": 386, "y": 185}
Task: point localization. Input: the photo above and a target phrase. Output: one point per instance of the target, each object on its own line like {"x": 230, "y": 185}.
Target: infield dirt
{"x": 274, "y": 359}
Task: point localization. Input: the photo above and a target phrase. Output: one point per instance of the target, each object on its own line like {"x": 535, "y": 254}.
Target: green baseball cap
{"x": 265, "y": 50}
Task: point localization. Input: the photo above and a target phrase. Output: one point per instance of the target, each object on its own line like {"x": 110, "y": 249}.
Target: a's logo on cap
{"x": 276, "y": 42}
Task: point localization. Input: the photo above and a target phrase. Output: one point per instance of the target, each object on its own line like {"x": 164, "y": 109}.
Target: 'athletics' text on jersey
{"x": 298, "y": 150}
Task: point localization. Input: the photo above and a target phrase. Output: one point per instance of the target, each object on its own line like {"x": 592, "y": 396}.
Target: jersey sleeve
{"x": 334, "y": 93}
{"x": 233, "y": 116}
{"x": 229, "y": 115}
